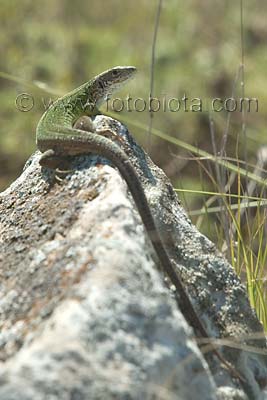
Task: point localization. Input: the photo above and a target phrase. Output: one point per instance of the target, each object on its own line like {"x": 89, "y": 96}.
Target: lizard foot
{"x": 50, "y": 159}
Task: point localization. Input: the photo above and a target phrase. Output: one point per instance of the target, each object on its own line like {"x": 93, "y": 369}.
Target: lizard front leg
{"x": 85, "y": 123}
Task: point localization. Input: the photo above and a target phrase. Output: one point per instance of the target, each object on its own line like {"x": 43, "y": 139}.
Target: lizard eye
{"x": 115, "y": 72}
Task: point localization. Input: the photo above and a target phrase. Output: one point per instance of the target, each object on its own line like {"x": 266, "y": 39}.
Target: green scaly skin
{"x": 57, "y": 138}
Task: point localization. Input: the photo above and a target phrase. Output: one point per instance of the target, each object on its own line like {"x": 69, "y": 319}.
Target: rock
{"x": 85, "y": 311}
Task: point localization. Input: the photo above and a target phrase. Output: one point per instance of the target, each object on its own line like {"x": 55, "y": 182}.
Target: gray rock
{"x": 85, "y": 311}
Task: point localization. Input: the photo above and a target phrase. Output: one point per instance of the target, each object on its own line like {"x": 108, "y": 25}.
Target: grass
{"x": 178, "y": 48}
{"x": 244, "y": 241}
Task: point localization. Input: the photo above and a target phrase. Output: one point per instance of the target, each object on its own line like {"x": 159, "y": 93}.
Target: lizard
{"x": 57, "y": 138}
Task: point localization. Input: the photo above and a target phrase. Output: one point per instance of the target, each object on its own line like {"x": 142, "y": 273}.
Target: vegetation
{"x": 204, "y": 50}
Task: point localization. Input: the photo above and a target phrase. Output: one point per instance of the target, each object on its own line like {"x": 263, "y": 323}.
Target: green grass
{"x": 49, "y": 50}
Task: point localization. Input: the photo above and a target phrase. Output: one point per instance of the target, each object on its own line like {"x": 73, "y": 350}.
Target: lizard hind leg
{"x": 50, "y": 159}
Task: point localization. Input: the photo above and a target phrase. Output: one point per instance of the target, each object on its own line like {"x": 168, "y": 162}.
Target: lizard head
{"x": 118, "y": 75}
{"x": 110, "y": 81}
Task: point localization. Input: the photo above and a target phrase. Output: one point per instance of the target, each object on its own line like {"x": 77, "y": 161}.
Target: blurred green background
{"x": 52, "y": 47}
{"x": 49, "y": 48}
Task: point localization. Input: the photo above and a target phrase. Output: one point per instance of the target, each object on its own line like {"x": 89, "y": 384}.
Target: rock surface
{"x": 85, "y": 312}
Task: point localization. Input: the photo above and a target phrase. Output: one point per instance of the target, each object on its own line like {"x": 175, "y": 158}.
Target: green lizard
{"x": 57, "y": 137}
